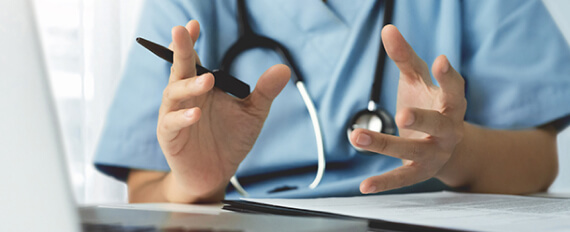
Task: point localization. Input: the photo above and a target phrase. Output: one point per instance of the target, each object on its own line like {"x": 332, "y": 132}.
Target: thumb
{"x": 269, "y": 85}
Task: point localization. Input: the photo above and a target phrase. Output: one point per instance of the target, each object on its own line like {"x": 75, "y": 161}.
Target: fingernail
{"x": 371, "y": 189}
{"x": 445, "y": 67}
{"x": 363, "y": 140}
{"x": 189, "y": 113}
{"x": 410, "y": 120}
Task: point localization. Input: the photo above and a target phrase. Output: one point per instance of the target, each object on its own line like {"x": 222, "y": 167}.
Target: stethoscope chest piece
{"x": 371, "y": 118}
{"x": 376, "y": 120}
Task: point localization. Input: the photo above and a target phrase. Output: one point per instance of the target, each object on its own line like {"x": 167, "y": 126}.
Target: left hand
{"x": 429, "y": 118}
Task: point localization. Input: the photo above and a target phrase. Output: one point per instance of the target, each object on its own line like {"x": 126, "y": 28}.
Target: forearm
{"x": 500, "y": 161}
{"x": 151, "y": 186}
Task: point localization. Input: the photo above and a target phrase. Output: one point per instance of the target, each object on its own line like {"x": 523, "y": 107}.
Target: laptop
{"x": 35, "y": 191}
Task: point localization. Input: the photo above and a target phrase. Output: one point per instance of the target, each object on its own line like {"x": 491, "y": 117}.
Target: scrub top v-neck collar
{"x": 325, "y": 26}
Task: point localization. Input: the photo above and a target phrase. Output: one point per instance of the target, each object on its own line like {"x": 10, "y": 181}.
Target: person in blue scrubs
{"x": 482, "y": 117}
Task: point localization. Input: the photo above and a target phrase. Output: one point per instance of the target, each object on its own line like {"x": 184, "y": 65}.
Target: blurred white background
{"x": 559, "y": 10}
{"x": 86, "y": 42}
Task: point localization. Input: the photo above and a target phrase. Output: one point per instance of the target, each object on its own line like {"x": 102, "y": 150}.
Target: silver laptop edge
{"x": 35, "y": 194}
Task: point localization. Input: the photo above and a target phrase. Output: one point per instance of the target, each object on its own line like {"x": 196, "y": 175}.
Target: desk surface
{"x": 170, "y": 207}
{"x": 216, "y": 213}
{"x": 208, "y": 218}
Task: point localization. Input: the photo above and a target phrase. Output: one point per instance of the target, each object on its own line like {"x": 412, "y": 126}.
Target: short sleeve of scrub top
{"x": 514, "y": 60}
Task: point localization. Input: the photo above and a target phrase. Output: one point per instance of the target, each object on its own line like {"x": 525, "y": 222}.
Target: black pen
{"x": 223, "y": 80}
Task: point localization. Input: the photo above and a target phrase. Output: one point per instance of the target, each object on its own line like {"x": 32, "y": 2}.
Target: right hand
{"x": 205, "y": 133}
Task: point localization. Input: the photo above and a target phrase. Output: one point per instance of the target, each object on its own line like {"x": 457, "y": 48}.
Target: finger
{"x": 193, "y": 28}
{"x": 184, "y": 64}
{"x": 400, "y": 177}
{"x": 181, "y": 90}
{"x": 409, "y": 63}
{"x": 428, "y": 121}
{"x": 172, "y": 122}
{"x": 450, "y": 81}
{"x": 269, "y": 86}
{"x": 398, "y": 147}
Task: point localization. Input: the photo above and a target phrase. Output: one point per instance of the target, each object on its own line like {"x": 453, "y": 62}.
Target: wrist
{"x": 458, "y": 170}
{"x": 175, "y": 192}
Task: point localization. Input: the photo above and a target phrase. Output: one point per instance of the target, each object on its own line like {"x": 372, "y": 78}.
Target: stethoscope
{"x": 372, "y": 118}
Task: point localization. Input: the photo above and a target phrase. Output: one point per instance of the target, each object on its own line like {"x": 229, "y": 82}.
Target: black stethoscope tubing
{"x": 248, "y": 39}
{"x": 381, "y": 61}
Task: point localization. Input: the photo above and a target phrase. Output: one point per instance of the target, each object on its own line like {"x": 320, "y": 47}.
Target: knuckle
{"x": 415, "y": 152}
{"x": 441, "y": 125}
{"x": 188, "y": 83}
{"x": 436, "y": 124}
{"x": 380, "y": 143}
{"x": 184, "y": 54}
{"x": 167, "y": 93}
{"x": 163, "y": 126}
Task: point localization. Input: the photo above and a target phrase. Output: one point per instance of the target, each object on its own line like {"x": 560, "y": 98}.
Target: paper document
{"x": 464, "y": 211}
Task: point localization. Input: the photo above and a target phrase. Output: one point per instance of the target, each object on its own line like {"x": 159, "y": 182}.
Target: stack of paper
{"x": 463, "y": 211}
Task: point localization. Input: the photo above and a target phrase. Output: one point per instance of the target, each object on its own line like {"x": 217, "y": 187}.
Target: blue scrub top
{"x": 511, "y": 54}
